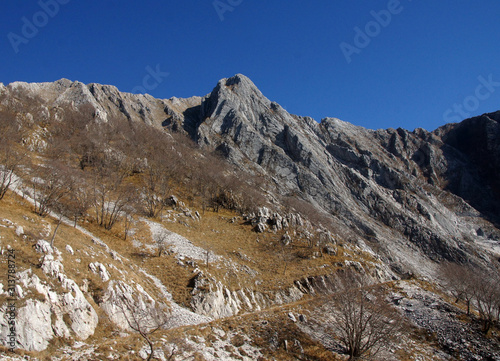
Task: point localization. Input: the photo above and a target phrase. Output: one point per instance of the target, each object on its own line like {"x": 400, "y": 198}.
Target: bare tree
{"x": 11, "y": 156}
{"x": 9, "y": 162}
{"x": 128, "y": 220}
{"x": 478, "y": 288}
{"x": 155, "y": 189}
{"x": 143, "y": 317}
{"x": 111, "y": 195}
{"x": 51, "y": 183}
{"x": 79, "y": 200}
{"x": 59, "y": 221}
{"x": 487, "y": 299}
{"x": 208, "y": 255}
{"x": 461, "y": 282}
{"x": 363, "y": 321}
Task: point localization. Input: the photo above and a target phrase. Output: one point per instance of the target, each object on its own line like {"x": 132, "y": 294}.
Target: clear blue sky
{"x": 422, "y": 61}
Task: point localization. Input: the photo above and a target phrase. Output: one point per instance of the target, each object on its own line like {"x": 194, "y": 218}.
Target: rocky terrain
{"x": 259, "y": 214}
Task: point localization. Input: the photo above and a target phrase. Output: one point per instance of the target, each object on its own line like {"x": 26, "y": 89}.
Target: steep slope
{"x": 387, "y": 186}
{"x": 473, "y": 174}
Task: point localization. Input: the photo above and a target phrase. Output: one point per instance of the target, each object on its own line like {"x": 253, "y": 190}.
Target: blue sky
{"x": 379, "y": 64}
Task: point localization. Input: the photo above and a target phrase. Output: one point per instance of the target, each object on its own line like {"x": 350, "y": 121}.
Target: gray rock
{"x": 38, "y": 321}
{"x": 69, "y": 249}
{"x": 43, "y": 246}
{"x": 261, "y": 227}
{"x": 99, "y": 269}
{"x": 286, "y": 239}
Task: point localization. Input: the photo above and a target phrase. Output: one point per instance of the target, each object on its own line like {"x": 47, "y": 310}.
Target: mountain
{"x": 399, "y": 203}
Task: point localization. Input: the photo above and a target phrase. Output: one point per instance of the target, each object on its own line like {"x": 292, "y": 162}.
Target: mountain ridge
{"x": 371, "y": 183}
{"x": 227, "y": 204}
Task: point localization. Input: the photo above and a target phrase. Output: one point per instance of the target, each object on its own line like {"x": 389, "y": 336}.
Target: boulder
{"x": 99, "y": 269}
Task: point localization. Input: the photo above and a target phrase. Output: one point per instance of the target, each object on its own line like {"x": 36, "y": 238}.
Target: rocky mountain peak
{"x": 239, "y": 80}
{"x": 393, "y": 188}
{"x": 238, "y": 93}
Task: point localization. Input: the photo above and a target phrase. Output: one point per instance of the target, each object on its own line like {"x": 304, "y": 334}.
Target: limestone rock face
{"x": 473, "y": 174}
{"x": 212, "y": 299}
{"x": 385, "y": 185}
{"x": 34, "y": 322}
{"x": 100, "y": 269}
{"x": 39, "y": 321}
{"x": 396, "y": 189}
{"x": 416, "y": 196}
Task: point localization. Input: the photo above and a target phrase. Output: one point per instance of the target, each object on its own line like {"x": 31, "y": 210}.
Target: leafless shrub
{"x": 11, "y": 156}
{"x": 9, "y": 162}
{"x": 143, "y": 318}
{"x": 294, "y": 204}
{"x": 363, "y": 321}
{"x": 155, "y": 188}
{"x": 79, "y": 199}
{"x": 111, "y": 194}
{"x": 487, "y": 298}
{"x": 161, "y": 243}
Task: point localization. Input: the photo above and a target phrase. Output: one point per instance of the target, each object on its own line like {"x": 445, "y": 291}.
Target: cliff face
{"x": 473, "y": 148}
{"x": 414, "y": 197}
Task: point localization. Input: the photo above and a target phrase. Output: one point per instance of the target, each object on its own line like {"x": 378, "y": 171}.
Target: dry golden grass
{"x": 262, "y": 253}
{"x": 236, "y": 242}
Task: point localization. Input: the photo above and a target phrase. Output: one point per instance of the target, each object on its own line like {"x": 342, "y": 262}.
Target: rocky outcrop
{"x": 99, "y": 269}
{"x": 472, "y": 150}
{"x": 265, "y": 219}
{"x": 45, "y": 313}
{"x": 117, "y": 311}
{"x": 51, "y": 314}
{"x": 213, "y": 299}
